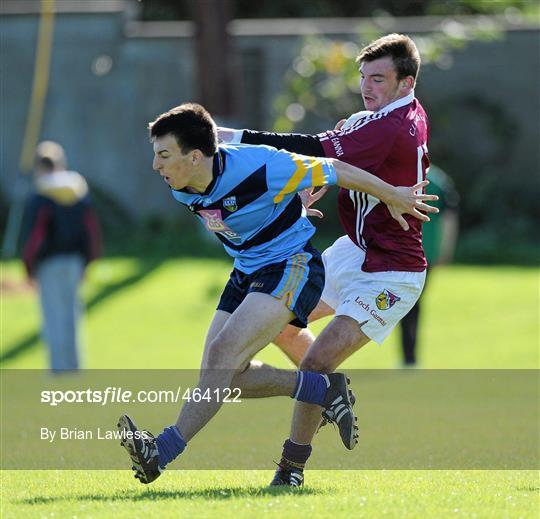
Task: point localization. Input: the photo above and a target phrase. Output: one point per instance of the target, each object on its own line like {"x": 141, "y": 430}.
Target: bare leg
{"x": 295, "y": 342}
{"x": 262, "y": 380}
{"x": 250, "y": 328}
{"x": 258, "y": 380}
{"x": 218, "y": 322}
{"x": 338, "y": 341}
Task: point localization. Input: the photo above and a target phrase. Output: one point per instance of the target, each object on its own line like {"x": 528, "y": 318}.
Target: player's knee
{"x": 213, "y": 361}
{"x": 222, "y": 356}
{"x": 226, "y": 340}
{"x": 224, "y": 353}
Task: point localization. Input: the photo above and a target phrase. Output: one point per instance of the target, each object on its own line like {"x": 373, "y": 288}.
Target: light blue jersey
{"x": 252, "y": 204}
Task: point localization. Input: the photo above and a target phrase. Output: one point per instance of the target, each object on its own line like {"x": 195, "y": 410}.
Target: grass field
{"x": 474, "y": 317}
{"x": 373, "y": 494}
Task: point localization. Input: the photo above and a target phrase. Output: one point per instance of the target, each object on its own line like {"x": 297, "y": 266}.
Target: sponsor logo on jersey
{"x": 213, "y": 221}
{"x": 362, "y": 304}
{"x": 230, "y": 204}
{"x": 386, "y": 300}
{"x": 256, "y": 284}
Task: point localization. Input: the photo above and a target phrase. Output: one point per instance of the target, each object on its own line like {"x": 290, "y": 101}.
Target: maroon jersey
{"x": 391, "y": 144}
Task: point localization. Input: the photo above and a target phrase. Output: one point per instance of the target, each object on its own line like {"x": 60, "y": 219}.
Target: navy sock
{"x": 295, "y": 455}
{"x": 170, "y": 444}
{"x": 310, "y": 387}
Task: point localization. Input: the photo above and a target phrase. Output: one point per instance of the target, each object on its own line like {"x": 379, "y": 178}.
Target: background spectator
{"x": 61, "y": 236}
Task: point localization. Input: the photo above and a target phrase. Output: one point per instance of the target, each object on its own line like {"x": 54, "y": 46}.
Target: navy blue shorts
{"x": 298, "y": 280}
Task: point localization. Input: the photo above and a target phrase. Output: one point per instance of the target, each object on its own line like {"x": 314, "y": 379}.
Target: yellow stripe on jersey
{"x": 296, "y": 280}
{"x": 292, "y": 274}
{"x": 298, "y": 263}
{"x": 303, "y": 166}
{"x": 294, "y": 181}
{"x": 317, "y": 174}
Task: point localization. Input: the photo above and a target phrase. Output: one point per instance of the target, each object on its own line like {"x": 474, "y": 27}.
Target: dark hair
{"x": 191, "y": 125}
{"x": 400, "y": 48}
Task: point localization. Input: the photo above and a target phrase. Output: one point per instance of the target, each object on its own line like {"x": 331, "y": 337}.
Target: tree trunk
{"x": 213, "y": 59}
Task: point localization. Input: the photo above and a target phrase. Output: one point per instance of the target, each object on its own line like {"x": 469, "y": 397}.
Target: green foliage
{"x": 499, "y": 203}
{"x": 323, "y": 83}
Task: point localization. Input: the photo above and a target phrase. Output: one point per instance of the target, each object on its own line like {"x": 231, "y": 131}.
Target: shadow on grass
{"x": 146, "y": 266}
{"x": 215, "y": 494}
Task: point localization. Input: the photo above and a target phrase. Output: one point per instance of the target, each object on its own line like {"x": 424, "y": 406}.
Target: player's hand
{"x": 410, "y": 200}
{"x": 339, "y": 124}
{"x": 225, "y": 135}
{"x": 309, "y": 197}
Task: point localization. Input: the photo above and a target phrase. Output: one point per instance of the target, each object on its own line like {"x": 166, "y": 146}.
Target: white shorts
{"x": 380, "y": 299}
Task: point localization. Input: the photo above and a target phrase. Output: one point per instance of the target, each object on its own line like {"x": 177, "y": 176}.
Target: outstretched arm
{"x": 294, "y": 142}
{"x": 399, "y": 200}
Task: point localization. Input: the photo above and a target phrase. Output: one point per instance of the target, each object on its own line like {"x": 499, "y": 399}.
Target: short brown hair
{"x": 400, "y": 48}
{"x": 191, "y": 125}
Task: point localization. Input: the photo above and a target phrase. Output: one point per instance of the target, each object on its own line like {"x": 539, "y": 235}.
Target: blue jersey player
{"x": 247, "y": 196}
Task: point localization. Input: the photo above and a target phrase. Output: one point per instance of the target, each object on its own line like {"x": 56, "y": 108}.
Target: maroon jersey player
{"x": 376, "y": 272}
{"x": 392, "y": 144}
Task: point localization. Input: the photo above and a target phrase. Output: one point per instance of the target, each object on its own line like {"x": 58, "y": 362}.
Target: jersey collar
{"x": 398, "y": 103}
{"x": 218, "y": 167}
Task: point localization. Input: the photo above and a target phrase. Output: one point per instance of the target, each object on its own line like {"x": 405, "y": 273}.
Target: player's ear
{"x": 407, "y": 83}
{"x": 196, "y": 157}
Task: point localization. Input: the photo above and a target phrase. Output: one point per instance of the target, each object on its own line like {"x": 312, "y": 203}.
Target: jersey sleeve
{"x": 288, "y": 173}
{"x": 366, "y": 143}
{"x": 294, "y": 142}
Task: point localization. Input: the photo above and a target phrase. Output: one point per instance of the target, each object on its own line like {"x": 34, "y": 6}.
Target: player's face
{"x": 379, "y": 84}
{"x": 169, "y": 161}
